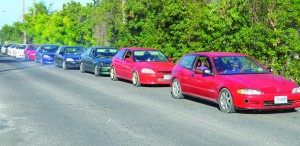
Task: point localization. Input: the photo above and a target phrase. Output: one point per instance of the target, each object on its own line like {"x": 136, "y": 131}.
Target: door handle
{"x": 192, "y": 75}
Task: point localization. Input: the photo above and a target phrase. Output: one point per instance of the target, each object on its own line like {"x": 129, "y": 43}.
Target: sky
{"x": 11, "y": 10}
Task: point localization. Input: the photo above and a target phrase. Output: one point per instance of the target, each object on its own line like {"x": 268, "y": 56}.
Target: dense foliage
{"x": 266, "y": 30}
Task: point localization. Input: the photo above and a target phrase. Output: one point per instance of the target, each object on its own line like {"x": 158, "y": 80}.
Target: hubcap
{"x": 175, "y": 88}
{"x": 112, "y": 73}
{"x": 134, "y": 78}
{"x": 225, "y": 100}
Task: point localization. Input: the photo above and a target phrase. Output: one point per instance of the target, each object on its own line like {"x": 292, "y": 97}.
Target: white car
{"x": 9, "y": 50}
{"x": 19, "y": 51}
{"x": 4, "y": 48}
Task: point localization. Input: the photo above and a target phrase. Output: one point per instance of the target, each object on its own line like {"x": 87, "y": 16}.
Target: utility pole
{"x": 33, "y": 8}
{"x": 23, "y": 13}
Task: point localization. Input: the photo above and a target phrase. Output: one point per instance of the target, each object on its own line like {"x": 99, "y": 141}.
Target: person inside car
{"x": 201, "y": 67}
{"x": 234, "y": 67}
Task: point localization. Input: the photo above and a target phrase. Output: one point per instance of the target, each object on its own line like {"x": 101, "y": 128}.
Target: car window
{"x": 149, "y": 56}
{"x": 73, "y": 50}
{"x": 50, "y": 48}
{"x": 92, "y": 52}
{"x": 188, "y": 61}
{"x": 127, "y": 54}
{"x": 239, "y": 65}
{"x": 87, "y": 52}
{"x": 120, "y": 54}
{"x": 105, "y": 52}
{"x": 33, "y": 47}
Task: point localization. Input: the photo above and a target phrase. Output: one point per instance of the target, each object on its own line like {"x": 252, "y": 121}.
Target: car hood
{"x": 74, "y": 56}
{"x": 267, "y": 83}
{"x": 158, "y": 66}
{"x": 104, "y": 60}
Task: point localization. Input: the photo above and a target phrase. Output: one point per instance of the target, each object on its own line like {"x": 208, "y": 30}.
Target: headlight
{"x": 46, "y": 56}
{"x": 296, "y": 90}
{"x": 147, "y": 71}
{"x": 70, "y": 59}
{"x": 249, "y": 92}
{"x": 104, "y": 64}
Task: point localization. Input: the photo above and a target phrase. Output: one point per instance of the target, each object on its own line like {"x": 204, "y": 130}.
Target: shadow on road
{"x": 5, "y": 70}
{"x": 201, "y": 101}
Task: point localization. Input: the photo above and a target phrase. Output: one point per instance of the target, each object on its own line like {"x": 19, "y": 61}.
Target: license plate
{"x": 167, "y": 77}
{"x": 280, "y": 99}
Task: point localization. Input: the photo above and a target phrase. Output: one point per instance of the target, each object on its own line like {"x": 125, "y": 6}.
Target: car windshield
{"x": 74, "y": 50}
{"x": 105, "y": 52}
{"x": 33, "y": 47}
{"x": 21, "y": 46}
{"x": 238, "y": 65}
{"x": 50, "y": 48}
{"x": 149, "y": 56}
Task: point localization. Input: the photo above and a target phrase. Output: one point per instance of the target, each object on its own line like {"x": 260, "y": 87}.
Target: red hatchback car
{"x": 233, "y": 81}
{"x": 141, "y": 66}
{"x": 29, "y": 52}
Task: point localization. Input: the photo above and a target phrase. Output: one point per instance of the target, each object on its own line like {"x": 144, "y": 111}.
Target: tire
{"x": 135, "y": 79}
{"x": 113, "y": 75}
{"x": 176, "y": 89}
{"x": 64, "y": 65}
{"x": 96, "y": 70}
{"x": 81, "y": 67}
{"x": 226, "y": 103}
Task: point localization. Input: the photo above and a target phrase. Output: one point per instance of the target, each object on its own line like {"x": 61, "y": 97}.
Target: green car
{"x": 97, "y": 59}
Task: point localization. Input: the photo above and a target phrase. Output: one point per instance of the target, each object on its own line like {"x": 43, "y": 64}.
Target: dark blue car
{"x": 97, "y": 60}
{"x": 68, "y": 56}
{"x": 45, "y": 53}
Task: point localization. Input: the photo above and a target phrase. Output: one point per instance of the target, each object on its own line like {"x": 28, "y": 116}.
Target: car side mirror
{"x": 129, "y": 60}
{"x": 170, "y": 59}
{"x": 270, "y": 69}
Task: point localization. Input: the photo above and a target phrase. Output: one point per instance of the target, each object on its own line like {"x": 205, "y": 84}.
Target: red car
{"x": 233, "y": 81}
{"x": 29, "y": 52}
{"x": 141, "y": 66}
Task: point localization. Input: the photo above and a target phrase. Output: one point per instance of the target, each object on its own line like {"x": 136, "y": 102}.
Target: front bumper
{"x": 72, "y": 64}
{"x": 266, "y": 101}
{"x": 159, "y": 79}
{"x": 104, "y": 70}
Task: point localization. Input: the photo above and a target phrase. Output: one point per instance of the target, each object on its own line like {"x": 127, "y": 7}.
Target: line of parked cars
{"x": 231, "y": 80}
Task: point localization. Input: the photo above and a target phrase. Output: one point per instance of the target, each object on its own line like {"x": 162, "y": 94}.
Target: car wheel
{"x": 96, "y": 70}
{"x": 64, "y": 65}
{"x": 113, "y": 74}
{"x": 136, "y": 79}
{"x": 82, "y": 68}
{"x": 176, "y": 89}
{"x": 226, "y": 103}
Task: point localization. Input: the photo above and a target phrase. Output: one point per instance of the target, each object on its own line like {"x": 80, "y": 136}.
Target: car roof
{"x": 102, "y": 47}
{"x": 133, "y": 48}
{"x": 218, "y": 54}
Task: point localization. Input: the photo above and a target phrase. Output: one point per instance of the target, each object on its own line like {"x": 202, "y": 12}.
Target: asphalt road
{"x": 46, "y": 105}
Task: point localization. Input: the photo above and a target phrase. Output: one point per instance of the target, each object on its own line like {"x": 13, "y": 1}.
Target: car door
{"x": 127, "y": 64}
{"x": 201, "y": 84}
{"x": 118, "y": 62}
{"x": 186, "y": 72}
{"x": 38, "y": 52}
{"x": 58, "y": 56}
{"x": 89, "y": 62}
